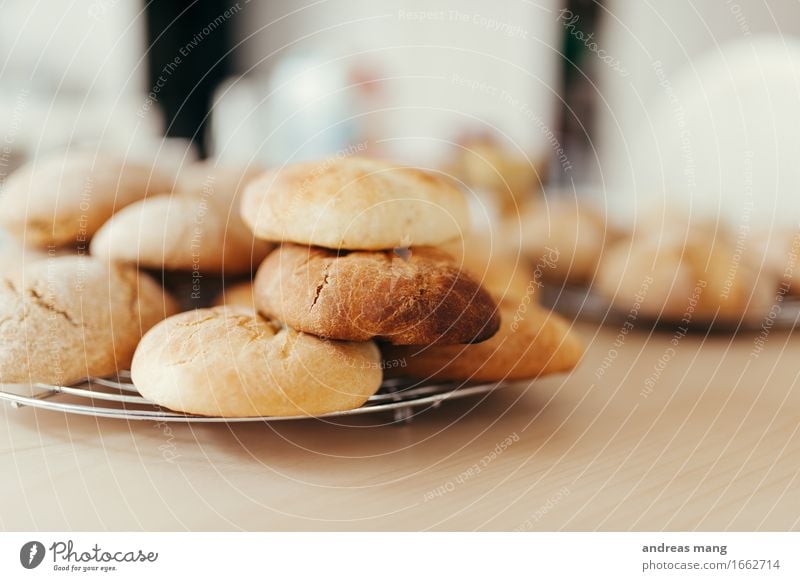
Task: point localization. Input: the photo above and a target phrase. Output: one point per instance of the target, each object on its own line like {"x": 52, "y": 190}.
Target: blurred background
{"x": 627, "y": 102}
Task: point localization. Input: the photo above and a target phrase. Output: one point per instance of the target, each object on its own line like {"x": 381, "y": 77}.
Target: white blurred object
{"x": 86, "y": 47}
{"x": 74, "y": 76}
{"x": 32, "y": 125}
{"x": 708, "y": 115}
{"x": 725, "y": 134}
{"x": 442, "y": 67}
{"x": 300, "y": 113}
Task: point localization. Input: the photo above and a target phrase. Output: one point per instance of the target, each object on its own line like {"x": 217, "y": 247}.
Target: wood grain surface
{"x": 698, "y": 435}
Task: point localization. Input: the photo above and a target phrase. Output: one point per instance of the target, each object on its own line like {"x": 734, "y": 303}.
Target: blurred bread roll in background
{"x": 563, "y": 238}
{"x": 237, "y": 295}
{"x": 64, "y": 199}
{"x": 698, "y": 275}
{"x": 15, "y": 257}
{"x": 509, "y": 178}
{"x": 500, "y": 270}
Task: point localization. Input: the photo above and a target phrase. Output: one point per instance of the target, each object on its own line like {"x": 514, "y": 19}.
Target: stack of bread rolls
{"x": 369, "y": 276}
{"x": 335, "y": 273}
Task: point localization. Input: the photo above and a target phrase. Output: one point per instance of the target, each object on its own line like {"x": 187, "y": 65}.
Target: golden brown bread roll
{"x": 354, "y": 203}
{"x": 531, "y": 342}
{"x": 418, "y": 296}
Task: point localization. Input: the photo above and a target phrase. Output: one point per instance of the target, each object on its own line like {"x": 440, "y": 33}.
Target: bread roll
{"x": 531, "y": 342}
{"x": 63, "y": 200}
{"x": 229, "y": 362}
{"x": 73, "y": 317}
{"x": 354, "y": 203}
{"x": 415, "y": 297}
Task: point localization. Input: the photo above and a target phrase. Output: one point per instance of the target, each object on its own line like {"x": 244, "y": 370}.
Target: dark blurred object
{"x": 580, "y": 19}
{"x": 188, "y": 56}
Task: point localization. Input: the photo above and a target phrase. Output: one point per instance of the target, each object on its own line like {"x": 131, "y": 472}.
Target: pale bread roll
{"x": 229, "y": 362}
{"x": 354, "y": 203}
{"x": 63, "y": 200}
{"x": 72, "y": 317}
{"x": 531, "y": 342}
{"x": 198, "y": 229}
{"x": 180, "y": 232}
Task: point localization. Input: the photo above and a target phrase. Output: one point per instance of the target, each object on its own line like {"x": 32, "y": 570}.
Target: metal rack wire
{"x": 576, "y": 301}
{"x": 118, "y": 398}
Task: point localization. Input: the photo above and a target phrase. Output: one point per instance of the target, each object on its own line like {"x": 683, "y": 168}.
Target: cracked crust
{"x": 64, "y": 199}
{"x": 226, "y": 361}
{"x": 72, "y": 317}
{"x": 417, "y": 299}
{"x": 354, "y": 203}
{"x": 531, "y": 342}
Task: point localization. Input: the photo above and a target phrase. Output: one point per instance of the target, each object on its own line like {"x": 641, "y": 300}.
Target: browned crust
{"x": 415, "y": 297}
{"x": 531, "y": 342}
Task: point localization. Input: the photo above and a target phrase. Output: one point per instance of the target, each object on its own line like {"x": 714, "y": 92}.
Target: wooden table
{"x": 709, "y": 442}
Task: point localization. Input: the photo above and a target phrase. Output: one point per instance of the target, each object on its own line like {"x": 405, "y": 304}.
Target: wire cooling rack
{"x": 580, "y": 302}
{"x": 118, "y": 398}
